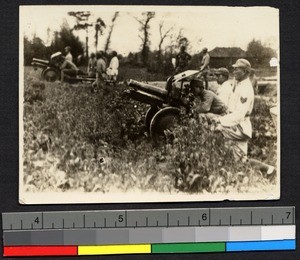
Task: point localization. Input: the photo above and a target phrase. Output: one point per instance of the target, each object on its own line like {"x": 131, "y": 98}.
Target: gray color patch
{"x": 145, "y": 235}
{"x": 211, "y": 234}
{"x": 183, "y": 234}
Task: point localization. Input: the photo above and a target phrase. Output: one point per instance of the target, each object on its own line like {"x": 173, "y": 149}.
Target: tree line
{"x": 157, "y": 60}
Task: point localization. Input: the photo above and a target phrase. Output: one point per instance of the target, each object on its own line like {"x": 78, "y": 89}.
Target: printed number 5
{"x": 121, "y": 218}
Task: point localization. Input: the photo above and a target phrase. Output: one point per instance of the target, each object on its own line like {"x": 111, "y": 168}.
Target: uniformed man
{"x": 182, "y": 60}
{"x": 92, "y": 65}
{"x": 100, "y": 70}
{"x": 225, "y": 90}
{"x": 205, "y": 60}
{"x": 236, "y": 125}
{"x": 68, "y": 69}
{"x": 206, "y": 101}
{"x": 204, "y": 68}
{"x": 68, "y": 55}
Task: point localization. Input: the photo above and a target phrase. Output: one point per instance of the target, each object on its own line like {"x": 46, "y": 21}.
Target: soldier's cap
{"x": 204, "y": 49}
{"x": 67, "y": 48}
{"x": 242, "y": 63}
{"x": 196, "y": 83}
{"x": 222, "y": 71}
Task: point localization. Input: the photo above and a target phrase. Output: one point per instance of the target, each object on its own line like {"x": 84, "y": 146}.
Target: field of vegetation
{"x": 80, "y": 139}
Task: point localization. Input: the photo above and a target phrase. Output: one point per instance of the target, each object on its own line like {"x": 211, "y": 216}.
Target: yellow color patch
{"x": 114, "y": 249}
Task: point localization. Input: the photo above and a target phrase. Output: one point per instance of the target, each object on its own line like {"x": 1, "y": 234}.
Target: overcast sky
{"x": 204, "y": 26}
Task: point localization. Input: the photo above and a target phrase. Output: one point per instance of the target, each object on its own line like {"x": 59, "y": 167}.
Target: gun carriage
{"x": 165, "y": 102}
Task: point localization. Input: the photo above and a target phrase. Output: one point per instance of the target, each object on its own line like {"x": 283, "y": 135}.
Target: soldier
{"x": 68, "y": 69}
{"x": 68, "y": 55}
{"x": 113, "y": 69}
{"x": 92, "y": 65}
{"x": 206, "y": 101}
{"x": 236, "y": 125}
{"x": 225, "y": 90}
{"x": 100, "y": 69}
{"x": 204, "y": 69}
{"x": 182, "y": 60}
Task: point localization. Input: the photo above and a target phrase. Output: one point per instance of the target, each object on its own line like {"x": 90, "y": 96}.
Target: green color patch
{"x": 188, "y": 247}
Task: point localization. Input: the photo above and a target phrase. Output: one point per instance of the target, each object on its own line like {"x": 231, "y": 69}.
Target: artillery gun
{"x": 165, "y": 102}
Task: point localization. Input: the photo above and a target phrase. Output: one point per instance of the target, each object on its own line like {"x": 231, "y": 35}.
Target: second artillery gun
{"x": 165, "y": 102}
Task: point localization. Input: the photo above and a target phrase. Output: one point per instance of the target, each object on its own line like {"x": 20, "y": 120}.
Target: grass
{"x": 78, "y": 139}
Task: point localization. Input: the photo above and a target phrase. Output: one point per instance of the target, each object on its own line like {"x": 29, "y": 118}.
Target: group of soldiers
{"x": 229, "y": 108}
{"x": 98, "y": 67}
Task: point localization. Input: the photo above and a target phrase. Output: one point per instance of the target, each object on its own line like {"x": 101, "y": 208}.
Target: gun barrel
{"x": 148, "y": 88}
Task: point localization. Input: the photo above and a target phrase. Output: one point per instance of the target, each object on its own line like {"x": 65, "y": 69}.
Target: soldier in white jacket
{"x": 225, "y": 90}
{"x": 236, "y": 125}
{"x": 113, "y": 69}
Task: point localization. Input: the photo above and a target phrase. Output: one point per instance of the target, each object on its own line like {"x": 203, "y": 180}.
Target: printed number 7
{"x": 288, "y": 214}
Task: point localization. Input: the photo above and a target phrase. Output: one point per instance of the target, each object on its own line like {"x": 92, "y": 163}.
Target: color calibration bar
{"x": 63, "y": 233}
{"x": 12, "y": 251}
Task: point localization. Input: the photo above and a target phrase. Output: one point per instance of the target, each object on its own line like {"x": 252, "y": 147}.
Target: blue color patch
{"x": 261, "y": 245}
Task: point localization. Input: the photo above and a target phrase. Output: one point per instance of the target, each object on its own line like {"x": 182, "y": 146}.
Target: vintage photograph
{"x": 148, "y": 104}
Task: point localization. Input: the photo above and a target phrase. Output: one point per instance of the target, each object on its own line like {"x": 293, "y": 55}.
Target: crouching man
{"x": 236, "y": 124}
{"x": 206, "y": 101}
{"x": 68, "y": 69}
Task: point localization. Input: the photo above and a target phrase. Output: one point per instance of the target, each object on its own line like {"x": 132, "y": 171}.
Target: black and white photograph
{"x": 148, "y": 104}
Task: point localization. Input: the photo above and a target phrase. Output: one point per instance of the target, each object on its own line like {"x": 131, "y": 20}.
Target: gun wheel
{"x": 50, "y": 75}
{"x": 165, "y": 119}
{"x": 149, "y": 115}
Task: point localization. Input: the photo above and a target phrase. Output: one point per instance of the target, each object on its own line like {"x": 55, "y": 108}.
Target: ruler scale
{"x": 148, "y": 231}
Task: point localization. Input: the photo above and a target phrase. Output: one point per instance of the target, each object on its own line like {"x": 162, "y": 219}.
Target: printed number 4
{"x": 37, "y": 221}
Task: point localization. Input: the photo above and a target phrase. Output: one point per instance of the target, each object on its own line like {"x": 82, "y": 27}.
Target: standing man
{"x": 68, "y": 55}
{"x": 113, "y": 69}
{"x": 204, "y": 68}
{"x": 182, "y": 60}
{"x": 225, "y": 90}
{"x": 100, "y": 69}
{"x": 92, "y": 65}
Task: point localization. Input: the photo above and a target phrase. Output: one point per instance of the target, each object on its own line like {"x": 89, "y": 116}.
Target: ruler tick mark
{"x": 157, "y": 223}
{"x": 104, "y": 222}
{"x": 115, "y": 223}
{"x": 230, "y": 220}
{"x": 73, "y": 225}
{"x": 63, "y": 223}
{"x": 178, "y": 223}
{"x": 31, "y": 226}
{"x": 167, "y": 219}
{"x": 261, "y": 221}
{"x": 251, "y": 217}
{"x": 241, "y": 222}
{"x": 11, "y": 226}
{"x": 188, "y": 220}
{"x": 21, "y": 224}
{"x": 52, "y": 225}
{"x": 220, "y": 222}
{"x": 272, "y": 219}
{"x": 136, "y": 224}
{"x": 146, "y": 221}
{"x": 282, "y": 220}
{"x": 94, "y": 224}
{"x": 84, "y": 220}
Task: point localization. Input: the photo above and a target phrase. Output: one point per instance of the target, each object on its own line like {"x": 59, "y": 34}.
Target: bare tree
{"x": 163, "y": 35}
{"x": 99, "y": 28}
{"x": 110, "y": 31}
{"x": 82, "y": 23}
{"x": 144, "y": 36}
